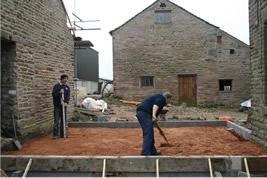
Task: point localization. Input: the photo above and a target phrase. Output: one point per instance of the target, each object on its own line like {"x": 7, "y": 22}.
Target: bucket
{"x": 225, "y": 119}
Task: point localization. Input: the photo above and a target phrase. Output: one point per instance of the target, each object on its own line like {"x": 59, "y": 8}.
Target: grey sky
{"x": 230, "y": 15}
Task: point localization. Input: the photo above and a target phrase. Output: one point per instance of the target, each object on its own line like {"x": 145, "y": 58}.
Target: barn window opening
{"x": 147, "y": 81}
{"x": 225, "y": 85}
{"x": 162, "y": 5}
{"x": 163, "y": 16}
{"x": 232, "y": 51}
{"x": 219, "y": 39}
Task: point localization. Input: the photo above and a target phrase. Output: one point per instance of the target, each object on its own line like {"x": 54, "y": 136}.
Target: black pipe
{"x": 102, "y": 92}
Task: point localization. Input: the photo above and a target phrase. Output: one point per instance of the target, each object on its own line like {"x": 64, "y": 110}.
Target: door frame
{"x": 187, "y": 75}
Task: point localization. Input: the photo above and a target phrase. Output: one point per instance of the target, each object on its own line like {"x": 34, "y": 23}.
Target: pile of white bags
{"x": 90, "y": 103}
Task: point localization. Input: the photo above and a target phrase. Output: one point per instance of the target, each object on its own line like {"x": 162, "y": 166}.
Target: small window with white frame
{"x": 163, "y": 16}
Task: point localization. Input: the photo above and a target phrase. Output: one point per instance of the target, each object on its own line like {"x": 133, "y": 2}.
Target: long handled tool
{"x": 27, "y": 168}
{"x": 161, "y": 132}
{"x": 17, "y": 143}
{"x": 235, "y": 133}
{"x": 63, "y": 115}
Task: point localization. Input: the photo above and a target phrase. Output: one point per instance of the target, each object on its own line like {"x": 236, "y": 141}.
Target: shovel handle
{"x": 14, "y": 124}
{"x": 27, "y": 168}
{"x": 63, "y": 115}
{"x": 161, "y": 132}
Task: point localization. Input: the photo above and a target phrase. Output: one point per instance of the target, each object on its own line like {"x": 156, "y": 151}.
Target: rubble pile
{"x": 118, "y": 111}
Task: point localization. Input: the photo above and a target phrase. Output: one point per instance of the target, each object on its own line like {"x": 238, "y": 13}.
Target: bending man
{"x": 147, "y": 113}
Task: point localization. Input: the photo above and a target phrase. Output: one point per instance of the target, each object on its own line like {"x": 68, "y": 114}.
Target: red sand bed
{"x": 128, "y": 142}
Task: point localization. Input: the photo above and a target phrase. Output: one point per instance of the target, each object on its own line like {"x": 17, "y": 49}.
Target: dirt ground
{"x": 122, "y": 142}
{"x": 128, "y": 142}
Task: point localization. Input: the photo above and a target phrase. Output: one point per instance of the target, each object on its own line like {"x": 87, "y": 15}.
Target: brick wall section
{"x": 188, "y": 45}
{"x": 43, "y": 51}
{"x": 257, "y": 18}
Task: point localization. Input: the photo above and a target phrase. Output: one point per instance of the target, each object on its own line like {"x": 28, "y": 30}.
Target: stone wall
{"x": 37, "y": 47}
{"x": 258, "y": 55}
{"x": 186, "y": 45}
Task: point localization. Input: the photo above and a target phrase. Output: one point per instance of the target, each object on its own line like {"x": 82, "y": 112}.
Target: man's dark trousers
{"x": 145, "y": 120}
{"x": 58, "y": 117}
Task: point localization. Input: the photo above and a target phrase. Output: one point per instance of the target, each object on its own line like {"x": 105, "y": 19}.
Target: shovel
{"x": 15, "y": 140}
{"x": 63, "y": 115}
{"x": 161, "y": 133}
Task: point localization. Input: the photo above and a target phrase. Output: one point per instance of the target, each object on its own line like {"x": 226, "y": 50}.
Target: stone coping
{"x": 135, "y": 124}
{"x": 133, "y": 163}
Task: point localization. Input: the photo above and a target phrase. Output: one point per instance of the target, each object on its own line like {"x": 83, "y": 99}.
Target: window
{"x": 163, "y": 16}
{"x": 219, "y": 39}
{"x": 147, "y": 81}
{"x": 162, "y": 5}
{"x": 225, "y": 85}
{"x": 232, "y": 51}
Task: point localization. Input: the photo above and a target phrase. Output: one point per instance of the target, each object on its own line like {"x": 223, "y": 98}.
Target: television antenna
{"x": 79, "y": 21}
{"x": 83, "y": 21}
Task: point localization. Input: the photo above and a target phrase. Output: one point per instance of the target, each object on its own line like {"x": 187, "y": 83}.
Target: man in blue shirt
{"x": 59, "y": 89}
{"x": 147, "y": 113}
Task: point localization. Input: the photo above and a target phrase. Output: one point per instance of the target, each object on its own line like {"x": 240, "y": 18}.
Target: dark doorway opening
{"x": 8, "y": 86}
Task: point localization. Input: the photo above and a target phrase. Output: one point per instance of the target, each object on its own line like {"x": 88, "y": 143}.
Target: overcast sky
{"x": 229, "y": 15}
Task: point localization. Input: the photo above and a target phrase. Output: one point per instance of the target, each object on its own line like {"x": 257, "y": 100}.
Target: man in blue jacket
{"x": 59, "y": 89}
{"x": 147, "y": 113}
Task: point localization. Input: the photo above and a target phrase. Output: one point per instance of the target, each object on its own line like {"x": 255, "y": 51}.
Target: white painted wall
{"x": 90, "y": 86}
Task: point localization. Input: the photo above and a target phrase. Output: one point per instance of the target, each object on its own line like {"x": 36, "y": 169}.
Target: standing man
{"x": 59, "y": 89}
{"x": 147, "y": 113}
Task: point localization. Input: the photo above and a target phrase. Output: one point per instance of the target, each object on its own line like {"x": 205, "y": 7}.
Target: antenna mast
{"x": 80, "y": 28}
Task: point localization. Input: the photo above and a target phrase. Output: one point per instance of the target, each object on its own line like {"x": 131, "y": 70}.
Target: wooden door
{"x": 187, "y": 89}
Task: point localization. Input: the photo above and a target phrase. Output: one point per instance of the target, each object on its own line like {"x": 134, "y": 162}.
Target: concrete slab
{"x": 131, "y": 164}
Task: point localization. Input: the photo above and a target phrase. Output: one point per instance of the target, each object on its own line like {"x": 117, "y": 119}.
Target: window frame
{"x": 219, "y": 39}
{"x": 225, "y": 80}
{"x": 146, "y": 78}
{"x": 232, "y": 51}
{"x": 161, "y": 17}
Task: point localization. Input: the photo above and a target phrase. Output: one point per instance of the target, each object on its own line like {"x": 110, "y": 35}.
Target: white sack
{"x": 246, "y": 103}
{"x": 92, "y": 104}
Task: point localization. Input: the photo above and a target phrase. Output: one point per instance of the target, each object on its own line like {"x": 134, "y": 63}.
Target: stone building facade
{"x": 36, "y": 49}
{"x": 166, "y": 48}
{"x": 258, "y": 55}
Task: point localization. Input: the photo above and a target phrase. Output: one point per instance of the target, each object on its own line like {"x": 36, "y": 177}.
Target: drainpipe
{"x": 75, "y": 74}
{"x": 257, "y": 13}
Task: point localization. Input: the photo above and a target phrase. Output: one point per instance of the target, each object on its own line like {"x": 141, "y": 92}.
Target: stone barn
{"x": 166, "y": 48}
{"x": 37, "y": 47}
{"x": 258, "y": 55}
